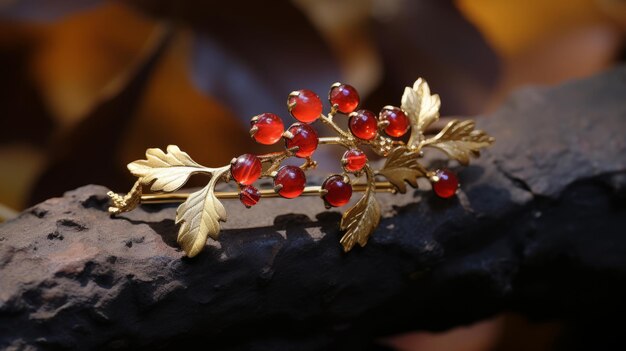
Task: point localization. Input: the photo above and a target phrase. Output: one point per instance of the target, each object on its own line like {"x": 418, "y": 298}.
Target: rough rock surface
{"x": 540, "y": 228}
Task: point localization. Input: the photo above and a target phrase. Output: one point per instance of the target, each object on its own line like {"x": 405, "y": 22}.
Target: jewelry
{"x": 200, "y": 212}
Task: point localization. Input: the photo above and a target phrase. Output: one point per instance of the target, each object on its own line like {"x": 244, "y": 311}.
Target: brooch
{"x": 199, "y": 215}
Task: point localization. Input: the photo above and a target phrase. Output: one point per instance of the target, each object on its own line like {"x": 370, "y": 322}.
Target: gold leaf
{"x": 460, "y": 140}
{"x": 361, "y": 220}
{"x": 166, "y": 171}
{"x": 200, "y": 215}
{"x": 127, "y": 202}
{"x": 421, "y": 107}
{"x": 402, "y": 166}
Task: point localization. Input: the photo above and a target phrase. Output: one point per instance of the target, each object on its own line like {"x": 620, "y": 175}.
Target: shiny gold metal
{"x": 379, "y": 187}
{"x": 200, "y": 212}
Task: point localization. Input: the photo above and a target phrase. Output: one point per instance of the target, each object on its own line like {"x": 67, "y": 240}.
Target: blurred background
{"x": 86, "y": 86}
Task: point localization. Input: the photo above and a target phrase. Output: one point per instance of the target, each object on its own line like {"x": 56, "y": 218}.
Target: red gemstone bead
{"x": 289, "y": 181}
{"x": 267, "y": 128}
{"x": 398, "y": 121}
{"x": 246, "y": 169}
{"x": 447, "y": 184}
{"x": 304, "y": 137}
{"x": 354, "y": 160}
{"x": 304, "y": 105}
{"x": 249, "y": 195}
{"x": 363, "y": 124}
{"x": 345, "y": 97}
{"x": 338, "y": 192}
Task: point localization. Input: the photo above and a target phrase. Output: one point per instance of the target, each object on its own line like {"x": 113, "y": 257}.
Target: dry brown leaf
{"x": 513, "y": 26}
{"x": 89, "y": 56}
{"x": 174, "y": 111}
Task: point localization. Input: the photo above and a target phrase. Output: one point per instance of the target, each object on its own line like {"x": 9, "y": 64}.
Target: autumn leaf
{"x": 166, "y": 171}
{"x": 460, "y": 140}
{"x": 421, "y": 107}
{"x": 199, "y": 217}
{"x": 402, "y": 166}
{"x": 361, "y": 220}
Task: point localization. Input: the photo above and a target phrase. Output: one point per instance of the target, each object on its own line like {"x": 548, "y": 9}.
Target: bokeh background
{"x": 86, "y": 86}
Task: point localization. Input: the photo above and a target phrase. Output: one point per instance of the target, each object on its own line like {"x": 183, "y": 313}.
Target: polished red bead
{"x": 289, "y": 181}
{"x": 267, "y": 128}
{"x": 363, "y": 124}
{"x": 398, "y": 121}
{"x": 304, "y": 105}
{"x": 246, "y": 169}
{"x": 447, "y": 183}
{"x": 304, "y": 137}
{"x": 345, "y": 97}
{"x": 338, "y": 191}
{"x": 249, "y": 195}
{"x": 354, "y": 160}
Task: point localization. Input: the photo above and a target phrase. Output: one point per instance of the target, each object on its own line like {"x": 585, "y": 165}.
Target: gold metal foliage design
{"x": 199, "y": 217}
{"x": 361, "y": 220}
{"x": 200, "y": 213}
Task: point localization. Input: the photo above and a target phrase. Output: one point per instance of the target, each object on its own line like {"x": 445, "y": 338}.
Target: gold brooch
{"x": 201, "y": 211}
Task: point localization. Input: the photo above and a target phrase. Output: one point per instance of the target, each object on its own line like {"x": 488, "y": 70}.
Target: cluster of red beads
{"x": 306, "y": 107}
{"x": 364, "y": 124}
{"x": 246, "y": 169}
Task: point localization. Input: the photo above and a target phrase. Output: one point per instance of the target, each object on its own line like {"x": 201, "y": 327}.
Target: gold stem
{"x": 329, "y": 121}
{"x": 380, "y": 187}
{"x": 334, "y": 141}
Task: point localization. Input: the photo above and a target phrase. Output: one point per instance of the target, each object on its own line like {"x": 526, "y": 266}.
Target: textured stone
{"x": 538, "y": 228}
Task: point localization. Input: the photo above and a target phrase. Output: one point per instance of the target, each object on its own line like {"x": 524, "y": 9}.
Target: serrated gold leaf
{"x": 199, "y": 217}
{"x": 166, "y": 171}
{"x": 460, "y": 140}
{"x": 402, "y": 166}
{"x": 421, "y": 107}
{"x": 361, "y": 220}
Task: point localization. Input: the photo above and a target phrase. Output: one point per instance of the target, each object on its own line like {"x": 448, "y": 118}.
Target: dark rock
{"x": 539, "y": 229}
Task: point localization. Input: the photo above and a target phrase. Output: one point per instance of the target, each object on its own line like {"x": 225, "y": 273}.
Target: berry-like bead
{"x": 344, "y": 96}
{"x": 289, "y": 181}
{"x": 398, "y": 121}
{"x": 249, "y": 196}
{"x": 304, "y": 105}
{"x": 245, "y": 169}
{"x": 304, "y": 137}
{"x": 267, "y": 128}
{"x": 338, "y": 191}
{"x": 363, "y": 124}
{"x": 447, "y": 183}
{"x": 354, "y": 160}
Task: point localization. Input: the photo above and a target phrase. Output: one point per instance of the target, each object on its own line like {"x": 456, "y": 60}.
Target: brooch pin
{"x": 200, "y": 213}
